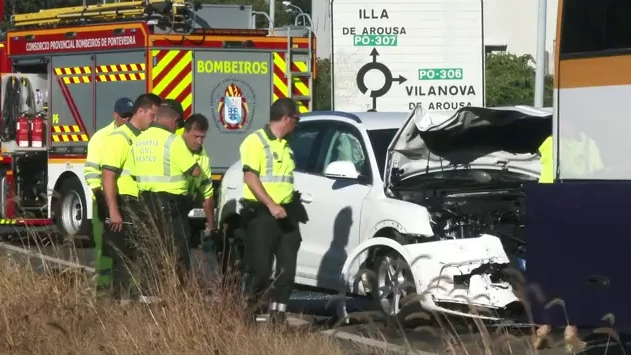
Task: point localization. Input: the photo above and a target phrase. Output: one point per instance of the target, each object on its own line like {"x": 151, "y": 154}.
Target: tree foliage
{"x": 510, "y": 80}
{"x": 281, "y": 16}
{"x": 322, "y": 85}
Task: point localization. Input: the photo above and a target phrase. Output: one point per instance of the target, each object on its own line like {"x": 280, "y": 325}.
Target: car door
{"x": 333, "y": 205}
{"x": 306, "y": 143}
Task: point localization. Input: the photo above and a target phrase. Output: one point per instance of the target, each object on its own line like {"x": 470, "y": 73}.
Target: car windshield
{"x": 380, "y": 140}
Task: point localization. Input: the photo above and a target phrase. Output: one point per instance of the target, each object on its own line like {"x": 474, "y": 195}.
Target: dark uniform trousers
{"x": 169, "y": 212}
{"x": 266, "y": 237}
{"x": 122, "y": 248}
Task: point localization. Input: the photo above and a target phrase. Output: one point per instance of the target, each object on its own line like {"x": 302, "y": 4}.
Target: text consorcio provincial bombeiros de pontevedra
{"x": 80, "y": 43}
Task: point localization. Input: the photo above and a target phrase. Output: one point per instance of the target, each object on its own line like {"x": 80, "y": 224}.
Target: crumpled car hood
{"x": 472, "y": 137}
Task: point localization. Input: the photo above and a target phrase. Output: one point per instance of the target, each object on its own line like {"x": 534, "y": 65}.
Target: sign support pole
{"x": 541, "y": 54}
{"x": 272, "y": 12}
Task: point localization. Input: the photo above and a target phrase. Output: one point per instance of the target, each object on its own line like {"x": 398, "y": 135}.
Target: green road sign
{"x": 375, "y": 40}
{"x": 441, "y": 74}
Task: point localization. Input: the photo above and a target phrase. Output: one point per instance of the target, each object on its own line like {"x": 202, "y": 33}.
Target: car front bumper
{"x": 450, "y": 276}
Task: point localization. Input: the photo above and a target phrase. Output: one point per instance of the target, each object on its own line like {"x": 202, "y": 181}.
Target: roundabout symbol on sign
{"x": 388, "y": 79}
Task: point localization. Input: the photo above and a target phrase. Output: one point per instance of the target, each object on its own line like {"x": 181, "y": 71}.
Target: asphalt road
{"x": 368, "y": 334}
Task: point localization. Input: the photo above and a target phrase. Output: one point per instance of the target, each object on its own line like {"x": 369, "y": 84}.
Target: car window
{"x": 306, "y": 142}
{"x": 346, "y": 145}
{"x": 380, "y": 139}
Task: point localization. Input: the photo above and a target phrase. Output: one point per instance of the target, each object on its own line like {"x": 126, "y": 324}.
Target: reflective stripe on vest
{"x": 124, "y": 172}
{"x": 166, "y": 166}
{"x": 269, "y": 163}
{"x": 92, "y": 165}
{"x": 94, "y": 171}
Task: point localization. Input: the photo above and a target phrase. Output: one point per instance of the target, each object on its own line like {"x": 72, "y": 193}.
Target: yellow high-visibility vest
{"x": 92, "y": 167}
{"x": 273, "y": 160}
{"x": 118, "y": 158}
{"x": 579, "y": 157}
{"x": 162, "y": 161}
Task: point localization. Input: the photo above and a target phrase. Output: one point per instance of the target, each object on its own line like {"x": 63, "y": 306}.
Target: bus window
{"x": 583, "y": 27}
{"x": 618, "y": 26}
{"x": 593, "y": 26}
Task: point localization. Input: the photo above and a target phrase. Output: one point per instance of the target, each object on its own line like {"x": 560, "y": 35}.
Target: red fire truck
{"x": 62, "y": 69}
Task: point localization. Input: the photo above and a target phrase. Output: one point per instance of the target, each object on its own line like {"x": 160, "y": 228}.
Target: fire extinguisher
{"x": 37, "y": 131}
{"x": 23, "y": 131}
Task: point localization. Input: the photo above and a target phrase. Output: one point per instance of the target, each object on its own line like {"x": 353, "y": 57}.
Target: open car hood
{"x": 472, "y": 137}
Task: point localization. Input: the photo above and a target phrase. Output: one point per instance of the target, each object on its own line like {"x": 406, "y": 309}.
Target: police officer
{"x": 177, "y": 107}
{"x": 163, "y": 168}
{"x": 271, "y": 209}
{"x": 201, "y": 190}
{"x": 194, "y": 133}
{"x": 123, "y": 109}
{"x": 121, "y": 193}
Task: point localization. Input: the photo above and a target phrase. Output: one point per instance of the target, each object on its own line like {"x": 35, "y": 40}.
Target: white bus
{"x": 577, "y": 231}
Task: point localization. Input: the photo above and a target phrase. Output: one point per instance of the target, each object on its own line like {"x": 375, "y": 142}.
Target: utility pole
{"x": 541, "y": 54}
{"x": 272, "y": 10}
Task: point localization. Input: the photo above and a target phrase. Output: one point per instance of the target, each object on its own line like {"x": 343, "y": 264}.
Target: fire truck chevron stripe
{"x": 172, "y": 76}
{"x": 117, "y": 68}
{"x": 120, "y": 77}
{"x": 77, "y": 79}
{"x": 116, "y": 72}
{"x": 70, "y": 138}
{"x": 300, "y": 84}
{"x": 66, "y": 128}
{"x": 73, "y": 71}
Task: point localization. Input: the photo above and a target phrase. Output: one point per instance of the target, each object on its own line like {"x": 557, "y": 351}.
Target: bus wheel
{"x": 72, "y": 209}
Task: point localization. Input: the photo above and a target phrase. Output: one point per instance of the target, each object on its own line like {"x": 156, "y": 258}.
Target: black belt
{"x": 294, "y": 209}
{"x": 256, "y": 204}
{"x": 165, "y": 196}
{"x": 128, "y": 198}
{"x": 156, "y": 198}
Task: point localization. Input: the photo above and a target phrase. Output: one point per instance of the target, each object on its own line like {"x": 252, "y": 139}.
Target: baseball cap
{"x": 175, "y": 106}
{"x": 124, "y": 107}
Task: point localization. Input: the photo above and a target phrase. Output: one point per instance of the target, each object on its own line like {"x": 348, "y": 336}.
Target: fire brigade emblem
{"x": 233, "y": 105}
{"x": 233, "y": 108}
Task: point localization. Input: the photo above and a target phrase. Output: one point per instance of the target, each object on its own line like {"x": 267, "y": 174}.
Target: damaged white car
{"x": 419, "y": 199}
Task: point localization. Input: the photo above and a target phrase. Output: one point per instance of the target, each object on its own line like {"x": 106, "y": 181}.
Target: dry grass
{"x": 48, "y": 312}
{"x": 59, "y": 314}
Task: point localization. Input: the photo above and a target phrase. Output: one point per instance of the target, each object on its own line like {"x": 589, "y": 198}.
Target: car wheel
{"x": 393, "y": 285}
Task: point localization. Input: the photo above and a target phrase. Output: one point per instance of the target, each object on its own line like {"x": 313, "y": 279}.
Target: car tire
{"x": 393, "y": 285}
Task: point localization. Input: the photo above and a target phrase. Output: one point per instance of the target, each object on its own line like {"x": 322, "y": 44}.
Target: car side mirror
{"x": 343, "y": 169}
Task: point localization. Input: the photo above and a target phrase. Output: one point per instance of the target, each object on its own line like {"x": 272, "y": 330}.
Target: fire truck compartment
{"x": 233, "y": 90}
